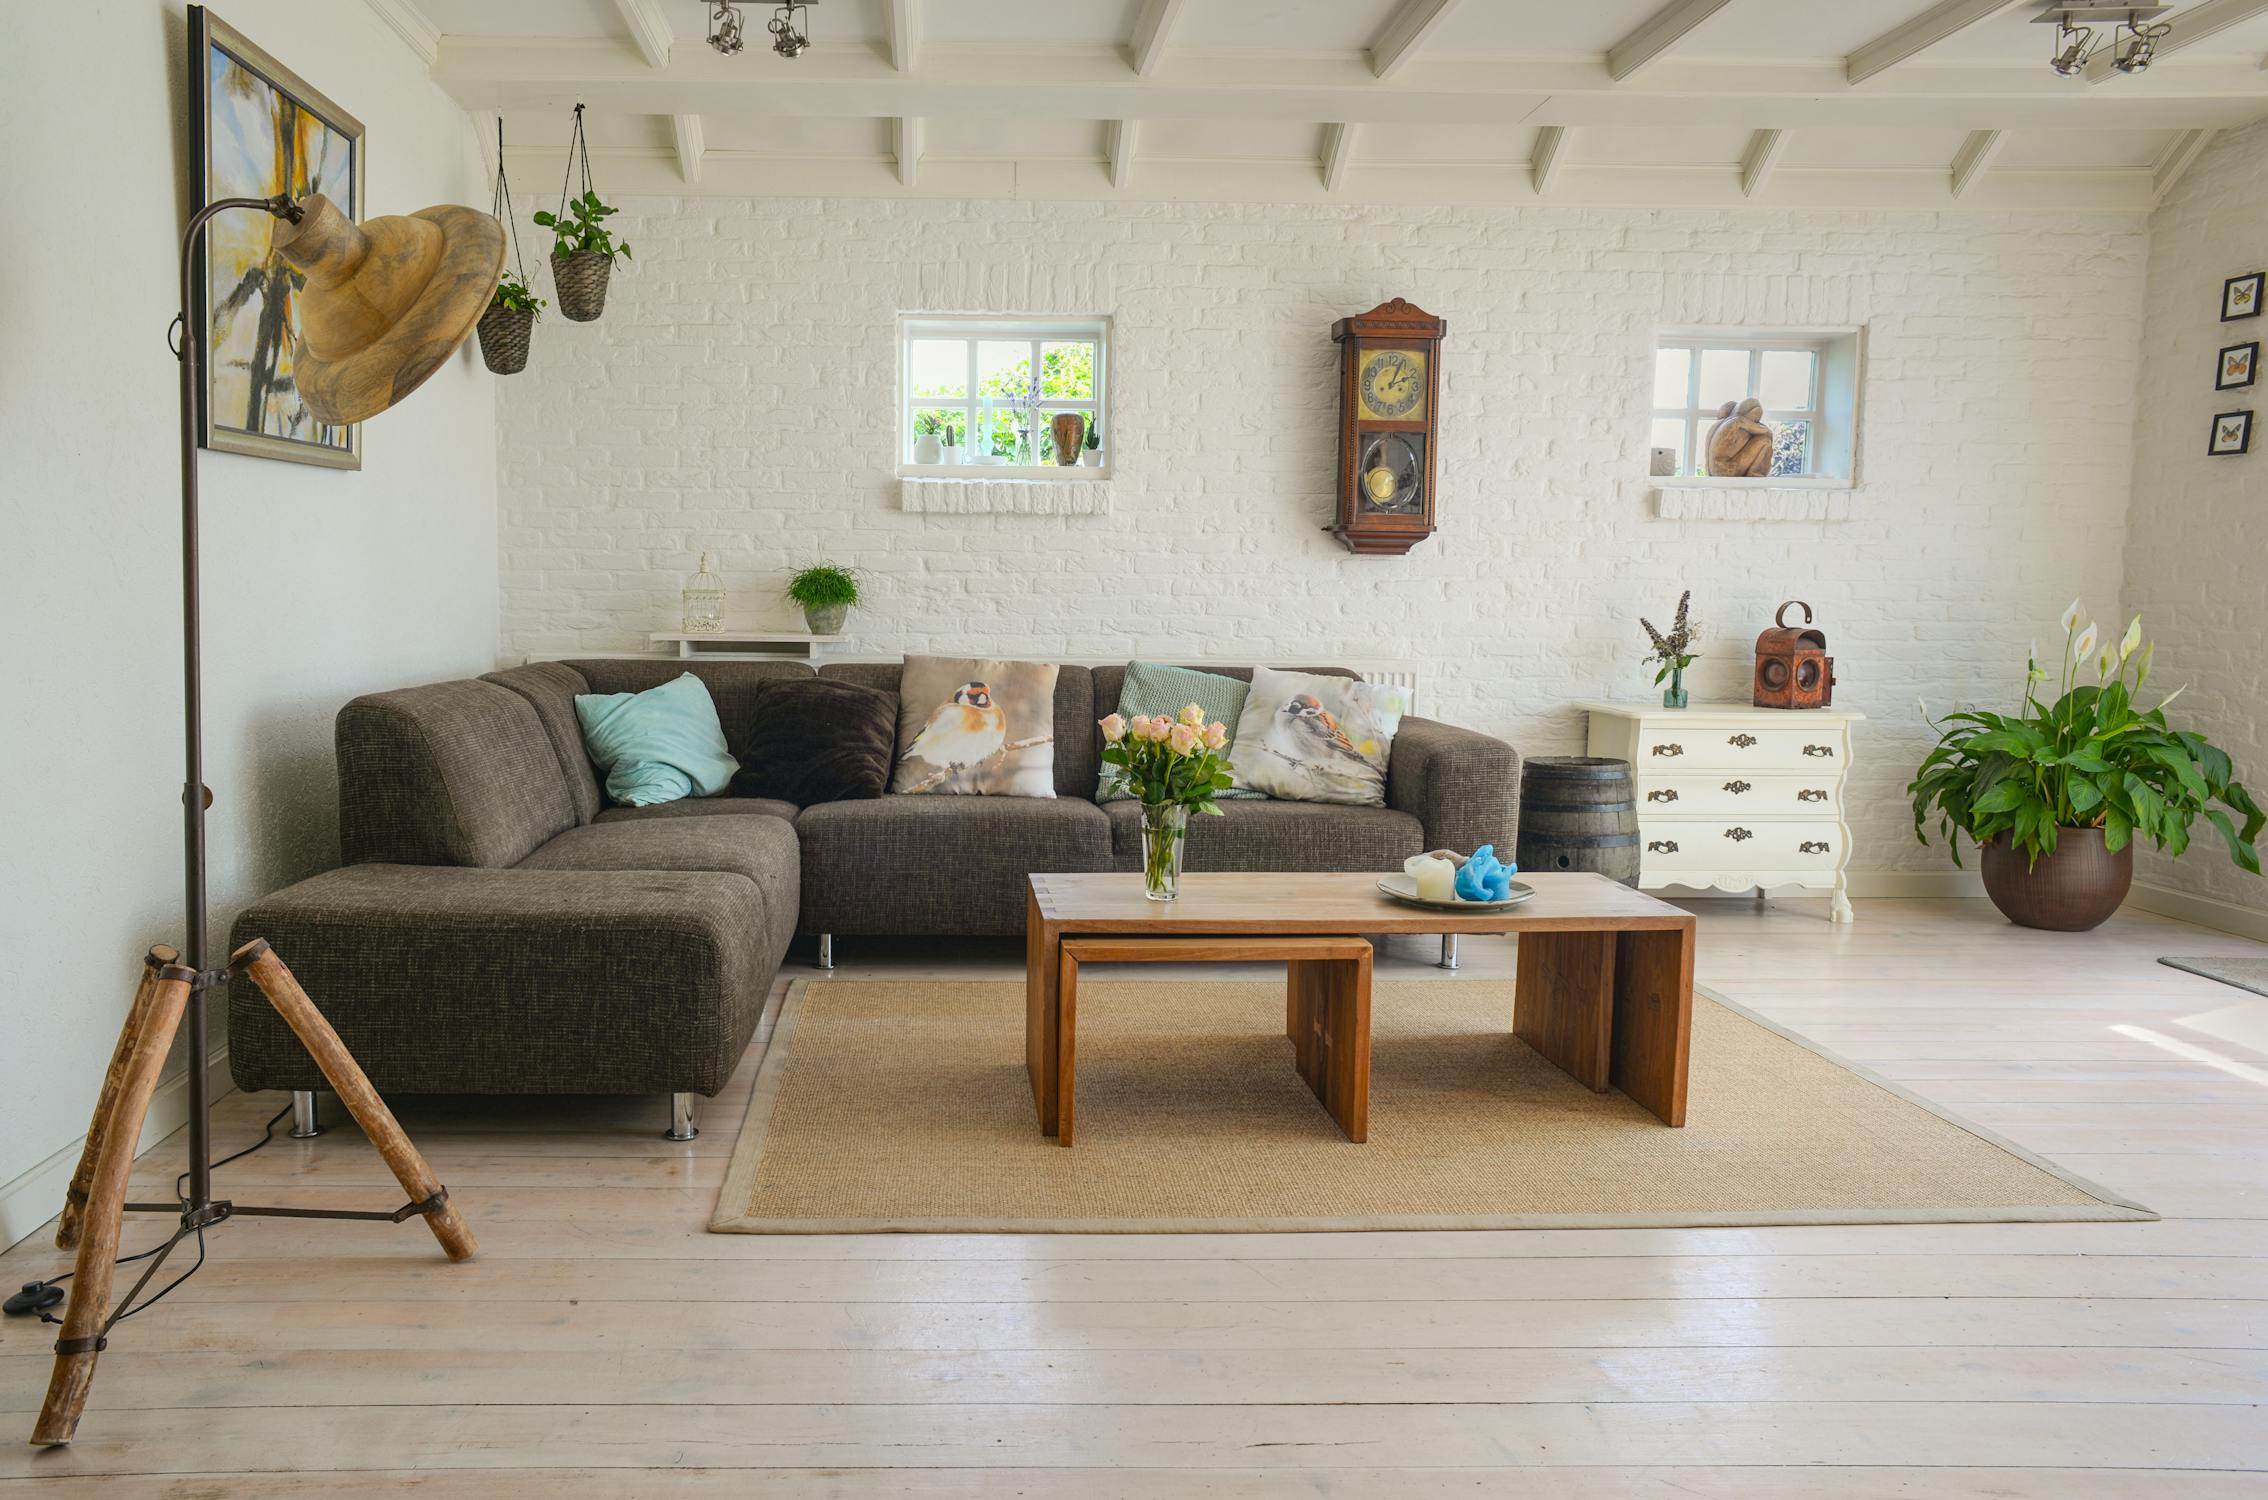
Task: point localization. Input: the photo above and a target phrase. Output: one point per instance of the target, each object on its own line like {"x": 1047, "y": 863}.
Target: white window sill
{"x": 1803, "y": 497}
{"x": 1001, "y": 490}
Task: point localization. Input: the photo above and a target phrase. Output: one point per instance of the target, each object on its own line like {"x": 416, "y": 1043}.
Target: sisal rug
{"x": 2243, "y": 973}
{"x": 903, "y": 1106}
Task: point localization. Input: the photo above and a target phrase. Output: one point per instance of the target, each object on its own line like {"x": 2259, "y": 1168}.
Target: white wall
{"x": 2198, "y": 529}
{"x": 738, "y": 396}
{"x": 320, "y": 584}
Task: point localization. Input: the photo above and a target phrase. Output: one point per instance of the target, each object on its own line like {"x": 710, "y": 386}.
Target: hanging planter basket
{"x": 581, "y": 277}
{"x": 505, "y": 333}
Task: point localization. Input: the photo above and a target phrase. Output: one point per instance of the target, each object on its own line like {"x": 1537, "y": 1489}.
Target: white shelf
{"x": 745, "y": 643}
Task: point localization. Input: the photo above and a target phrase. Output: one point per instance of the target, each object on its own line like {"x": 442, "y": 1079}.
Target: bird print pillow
{"x": 1305, "y": 738}
{"x": 981, "y": 728}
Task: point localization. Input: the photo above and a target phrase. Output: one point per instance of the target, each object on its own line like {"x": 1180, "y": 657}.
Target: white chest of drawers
{"x": 1736, "y": 798}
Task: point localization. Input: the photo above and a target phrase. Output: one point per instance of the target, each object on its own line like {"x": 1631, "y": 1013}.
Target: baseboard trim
{"x": 35, "y": 1196}
{"x": 2204, "y": 911}
{"x": 1880, "y": 885}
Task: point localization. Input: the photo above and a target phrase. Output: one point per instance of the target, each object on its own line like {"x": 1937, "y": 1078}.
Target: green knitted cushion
{"x": 1154, "y": 688}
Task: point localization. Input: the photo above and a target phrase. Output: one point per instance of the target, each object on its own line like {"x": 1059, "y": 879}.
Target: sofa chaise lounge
{"x": 499, "y": 928}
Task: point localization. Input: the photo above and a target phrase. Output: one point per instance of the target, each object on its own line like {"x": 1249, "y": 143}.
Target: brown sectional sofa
{"x": 498, "y": 927}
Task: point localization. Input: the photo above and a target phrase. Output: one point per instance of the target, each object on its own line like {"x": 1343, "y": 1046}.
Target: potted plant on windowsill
{"x": 825, "y": 592}
{"x": 1092, "y": 457}
{"x": 508, "y": 325}
{"x": 582, "y": 255}
{"x": 2055, "y": 793}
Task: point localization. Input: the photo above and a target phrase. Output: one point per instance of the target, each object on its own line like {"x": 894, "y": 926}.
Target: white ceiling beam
{"x": 1403, "y": 33}
{"x": 906, "y": 145}
{"x": 649, "y": 28}
{"x": 1925, "y": 30}
{"x": 522, "y": 74}
{"x": 412, "y": 26}
{"x": 685, "y": 131}
{"x": 902, "y": 35}
{"x": 1118, "y": 147}
{"x": 1763, "y": 154}
{"x": 1338, "y": 150}
{"x": 2190, "y": 27}
{"x": 2184, "y": 150}
{"x": 1151, "y": 28}
{"x": 1975, "y": 155}
{"x": 1547, "y": 157}
{"x": 1660, "y": 32}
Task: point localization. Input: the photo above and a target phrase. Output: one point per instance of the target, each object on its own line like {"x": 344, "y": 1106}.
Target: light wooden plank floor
{"x": 604, "y": 1344}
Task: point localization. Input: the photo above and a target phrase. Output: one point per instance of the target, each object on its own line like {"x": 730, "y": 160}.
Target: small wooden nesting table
{"x": 1604, "y": 988}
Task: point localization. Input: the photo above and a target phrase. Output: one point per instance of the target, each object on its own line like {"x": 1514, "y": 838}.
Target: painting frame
{"x": 214, "y": 43}
{"x": 2235, "y": 375}
{"x": 2215, "y": 447}
{"x": 2242, "y": 293}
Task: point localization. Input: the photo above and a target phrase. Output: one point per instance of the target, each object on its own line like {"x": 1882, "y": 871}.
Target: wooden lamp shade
{"x": 386, "y": 302}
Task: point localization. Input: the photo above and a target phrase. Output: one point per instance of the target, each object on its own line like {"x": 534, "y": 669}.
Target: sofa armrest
{"x": 1464, "y": 786}
{"x": 444, "y": 979}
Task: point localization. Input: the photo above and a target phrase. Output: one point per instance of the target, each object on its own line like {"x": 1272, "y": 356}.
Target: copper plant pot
{"x": 2074, "y": 889}
{"x": 581, "y": 277}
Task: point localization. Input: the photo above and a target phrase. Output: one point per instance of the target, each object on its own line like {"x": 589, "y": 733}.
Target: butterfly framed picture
{"x": 2240, "y": 296}
{"x": 2239, "y": 367}
{"x": 2232, "y": 434}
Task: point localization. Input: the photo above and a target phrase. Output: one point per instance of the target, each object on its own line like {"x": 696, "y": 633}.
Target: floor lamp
{"x": 385, "y": 304}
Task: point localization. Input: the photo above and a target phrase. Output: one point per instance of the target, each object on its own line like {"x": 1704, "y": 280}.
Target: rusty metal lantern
{"x": 1793, "y": 669}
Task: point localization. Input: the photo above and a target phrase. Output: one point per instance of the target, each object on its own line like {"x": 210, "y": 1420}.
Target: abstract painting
{"x": 256, "y": 130}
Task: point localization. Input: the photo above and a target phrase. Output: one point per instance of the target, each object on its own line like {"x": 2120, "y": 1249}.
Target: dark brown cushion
{"x": 818, "y": 739}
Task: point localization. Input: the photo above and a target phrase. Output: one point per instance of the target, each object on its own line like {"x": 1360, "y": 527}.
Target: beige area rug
{"x": 903, "y": 1106}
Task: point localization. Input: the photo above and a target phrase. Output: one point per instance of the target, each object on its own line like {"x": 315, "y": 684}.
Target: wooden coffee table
{"x": 1604, "y": 988}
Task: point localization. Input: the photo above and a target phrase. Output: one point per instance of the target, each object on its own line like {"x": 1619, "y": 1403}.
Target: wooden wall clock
{"x": 1389, "y": 423}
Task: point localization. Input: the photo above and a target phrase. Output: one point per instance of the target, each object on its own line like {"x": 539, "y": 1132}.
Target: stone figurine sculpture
{"x": 1740, "y": 445}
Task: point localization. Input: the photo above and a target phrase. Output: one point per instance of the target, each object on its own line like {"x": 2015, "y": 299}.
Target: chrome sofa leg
{"x": 1448, "y": 952}
{"x": 681, "y": 1126}
{"x": 304, "y": 1125}
{"x": 826, "y": 950}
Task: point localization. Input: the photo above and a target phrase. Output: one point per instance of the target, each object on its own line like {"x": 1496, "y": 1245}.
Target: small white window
{"x": 1806, "y": 383}
{"x": 981, "y": 395}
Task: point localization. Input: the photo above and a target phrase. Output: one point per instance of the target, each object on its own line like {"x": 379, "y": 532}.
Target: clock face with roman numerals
{"x": 1392, "y": 384}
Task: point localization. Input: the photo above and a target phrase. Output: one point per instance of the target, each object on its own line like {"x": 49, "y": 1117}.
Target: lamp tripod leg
{"x": 136, "y": 1075}
{"x": 259, "y": 961}
{"x": 73, "y": 1217}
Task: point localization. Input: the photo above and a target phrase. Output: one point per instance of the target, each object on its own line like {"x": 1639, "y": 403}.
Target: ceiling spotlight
{"x": 2074, "y": 43}
{"x": 2141, "y": 45}
{"x": 725, "y": 27}
{"x": 2135, "y": 32}
{"x": 789, "y": 38}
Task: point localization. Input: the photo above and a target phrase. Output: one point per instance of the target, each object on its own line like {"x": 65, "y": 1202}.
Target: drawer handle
{"x": 1812, "y": 846}
{"x": 1661, "y": 846}
{"x": 1668, "y": 750}
{"x": 1662, "y": 794}
{"x": 1737, "y": 787}
{"x": 1812, "y": 794}
{"x": 1741, "y": 741}
{"x": 1826, "y": 750}
{"x": 1739, "y": 835}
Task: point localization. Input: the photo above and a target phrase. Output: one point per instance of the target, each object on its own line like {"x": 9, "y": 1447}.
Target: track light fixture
{"x": 788, "y": 37}
{"x": 725, "y": 30}
{"x": 789, "y": 26}
{"x": 2136, "y": 31}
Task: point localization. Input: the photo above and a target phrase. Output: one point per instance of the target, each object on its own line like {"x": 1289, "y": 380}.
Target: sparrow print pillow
{"x": 1316, "y": 739}
{"x": 983, "y": 728}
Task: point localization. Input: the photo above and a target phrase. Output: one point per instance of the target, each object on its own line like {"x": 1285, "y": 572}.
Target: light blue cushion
{"x": 659, "y": 745}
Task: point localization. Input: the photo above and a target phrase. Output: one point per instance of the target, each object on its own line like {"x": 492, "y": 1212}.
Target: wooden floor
{"x": 604, "y": 1344}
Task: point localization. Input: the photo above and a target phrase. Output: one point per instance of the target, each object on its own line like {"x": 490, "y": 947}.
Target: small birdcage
{"x": 704, "y": 601}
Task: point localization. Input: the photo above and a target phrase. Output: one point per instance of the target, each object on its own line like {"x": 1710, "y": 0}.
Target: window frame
{"x": 1697, "y": 418}
{"x": 975, "y": 330}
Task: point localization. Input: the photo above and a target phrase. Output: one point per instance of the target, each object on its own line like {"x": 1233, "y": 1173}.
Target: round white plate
{"x": 1403, "y": 888}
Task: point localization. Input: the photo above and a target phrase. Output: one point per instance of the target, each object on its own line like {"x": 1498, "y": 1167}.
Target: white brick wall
{"x": 2197, "y": 534}
{"x": 738, "y": 397}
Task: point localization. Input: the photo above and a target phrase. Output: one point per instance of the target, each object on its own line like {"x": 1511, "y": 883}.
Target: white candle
{"x": 1436, "y": 878}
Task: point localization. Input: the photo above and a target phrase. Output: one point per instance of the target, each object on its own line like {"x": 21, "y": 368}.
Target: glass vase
{"x": 1673, "y": 696}
{"x": 1165, "y": 826}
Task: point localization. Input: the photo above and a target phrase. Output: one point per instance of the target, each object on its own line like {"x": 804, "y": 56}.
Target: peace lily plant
{"x": 2074, "y": 781}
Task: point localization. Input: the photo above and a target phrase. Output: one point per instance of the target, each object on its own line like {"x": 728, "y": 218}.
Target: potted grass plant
{"x": 509, "y": 324}
{"x": 2055, "y": 793}
{"x": 825, "y": 593}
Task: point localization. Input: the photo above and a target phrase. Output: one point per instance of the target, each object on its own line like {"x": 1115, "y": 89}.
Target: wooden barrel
{"x": 1579, "y": 812}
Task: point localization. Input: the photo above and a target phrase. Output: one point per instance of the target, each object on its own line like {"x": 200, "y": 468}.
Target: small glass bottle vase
{"x": 1164, "y": 829}
{"x": 1673, "y": 696}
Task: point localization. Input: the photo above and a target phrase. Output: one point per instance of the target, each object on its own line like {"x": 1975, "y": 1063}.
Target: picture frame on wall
{"x": 2240, "y": 296}
{"x": 2239, "y": 366}
{"x": 2232, "y": 434}
{"x": 257, "y": 129}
